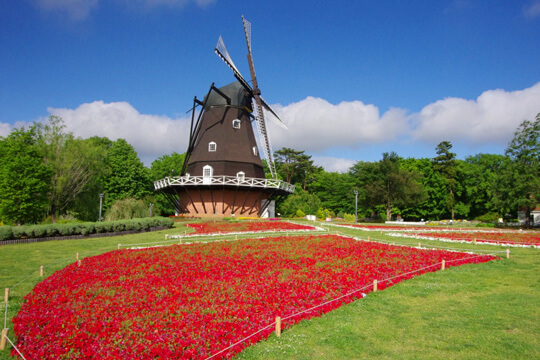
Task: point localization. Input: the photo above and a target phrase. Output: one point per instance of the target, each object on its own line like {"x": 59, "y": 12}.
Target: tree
{"x": 128, "y": 176}
{"x": 300, "y": 200}
{"x": 335, "y": 191}
{"x": 386, "y": 183}
{"x": 24, "y": 178}
{"x": 520, "y": 183}
{"x": 295, "y": 166}
{"x": 445, "y": 164}
{"x": 74, "y": 163}
{"x": 167, "y": 165}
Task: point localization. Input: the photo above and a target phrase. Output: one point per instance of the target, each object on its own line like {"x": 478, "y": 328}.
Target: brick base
{"x": 221, "y": 202}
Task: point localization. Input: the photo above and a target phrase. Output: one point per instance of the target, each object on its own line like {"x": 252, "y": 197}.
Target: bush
{"x": 349, "y": 217}
{"x": 300, "y": 213}
{"x": 6, "y": 232}
{"x": 488, "y": 218}
{"x": 20, "y": 232}
{"x": 52, "y": 230}
{"x": 39, "y": 230}
{"x": 127, "y": 209}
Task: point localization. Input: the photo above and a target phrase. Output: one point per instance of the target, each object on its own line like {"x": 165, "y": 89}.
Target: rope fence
{"x": 8, "y": 292}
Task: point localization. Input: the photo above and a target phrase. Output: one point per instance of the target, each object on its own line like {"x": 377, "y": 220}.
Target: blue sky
{"x": 352, "y": 79}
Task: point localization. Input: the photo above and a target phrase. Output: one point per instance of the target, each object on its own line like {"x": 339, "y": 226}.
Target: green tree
{"x": 300, "y": 200}
{"x": 128, "y": 176}
{"x": 24, "y": 178}
{"x": 445, "y": 164}
{"x": 164, "y": 166}
{"x": 335, "y": 190}
{"x": 167, "y": 165}
{"x": 520, "y": 182}
{"x": 74, "y": 164}
{"x": 386, "y": 183}
{"x": 295, "y": 166}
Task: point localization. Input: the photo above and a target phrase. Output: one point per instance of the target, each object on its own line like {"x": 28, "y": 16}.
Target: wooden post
{"x": 79, "y": 263}
{"x": 508, "y": 253}
{"x": 41, "y": 271}
{"x": 278, "y": 326}
{"x": 474, "y": 241}
{"x": 77, "y": 256}
{"x": 419, "y": 245}
{"x": 180, "y": 241}
{"x": 368, "y": 238}
{"x": 236, "y": 237}
{"x": 6, "y": 295}
{"x": 118, "y": 246}
{"x": 166, "y": 236}
{"x": 374, "y": 285}
{"x": 442, "y": 265}
{"x": 3, "y": 340}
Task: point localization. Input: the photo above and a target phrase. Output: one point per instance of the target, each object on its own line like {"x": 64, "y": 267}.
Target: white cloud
{"x": 333, "y": 164}
{"x": 533, "y": 10}
{"x": 490, "y": 119}
{"x": 151, "y": 135}
{"x": 75, "y": 10}
{"x": 316, "y": 125}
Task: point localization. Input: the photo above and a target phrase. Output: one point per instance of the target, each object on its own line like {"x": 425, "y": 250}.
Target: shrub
{"x": 52, "y": 230}
{"x": 300, "y": 213}
{"x": 39, "y": 230}
{"x": 488, "y": 218}
{"x": 6, "y": 232}
{"x": 127, "y": 209}
{"x": 349, "y": 217}
{"x": 20, "y": 232}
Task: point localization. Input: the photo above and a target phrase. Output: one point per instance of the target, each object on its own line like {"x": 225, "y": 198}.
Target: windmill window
{"x": 236, "y": 123}
{"x": 212, "y": 146}
{"x": 208, "y": 172}
{"x": 255, "y": 151}
{"x": 241, "y": 176}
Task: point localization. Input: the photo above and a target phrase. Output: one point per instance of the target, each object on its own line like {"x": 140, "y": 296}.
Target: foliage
{"x": 295, "y": 167}
{"x": 128, "y": 177}
{"x": 300, "y": 200}
{"x": 520, "y": 181}
{"x": 86, "y": 228}
{"x": 386, "y": 183}
{"x": 74, "y": 163}
{"x": 24, "y": 178}
{"x": 335, "y": 190}
{"x": 445, "y": 164}
{"x": 128, "y": 208}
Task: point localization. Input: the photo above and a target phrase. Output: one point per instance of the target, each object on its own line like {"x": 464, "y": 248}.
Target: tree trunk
{"x": 389, "y": 212}
{"x": 53, "y": 214}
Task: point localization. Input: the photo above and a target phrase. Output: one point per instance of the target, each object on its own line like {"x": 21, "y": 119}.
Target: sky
{"x": 350, "y": 79}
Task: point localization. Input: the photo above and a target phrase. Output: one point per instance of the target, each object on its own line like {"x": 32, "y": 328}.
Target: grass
{"x": 483, "y": 311}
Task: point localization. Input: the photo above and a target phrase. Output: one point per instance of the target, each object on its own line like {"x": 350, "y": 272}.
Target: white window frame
{"x": 212, "y": 146}
{"x": 236, "y": 122}
{"x": 241, "y": 176}
{"x": 255, "y": 151}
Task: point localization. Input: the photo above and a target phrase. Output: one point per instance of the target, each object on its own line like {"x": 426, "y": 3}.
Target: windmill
{"x": 223, "y": 173}
{"x": 259, "y": 104}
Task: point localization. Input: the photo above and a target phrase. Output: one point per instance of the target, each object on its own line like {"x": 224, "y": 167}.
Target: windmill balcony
{"x": 223, "y": 181}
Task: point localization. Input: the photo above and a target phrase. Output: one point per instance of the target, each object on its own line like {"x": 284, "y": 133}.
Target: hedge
{"x": 87, "y": 228}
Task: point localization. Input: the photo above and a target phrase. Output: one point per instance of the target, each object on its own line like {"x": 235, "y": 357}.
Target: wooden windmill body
{"x": 223, "y": 173}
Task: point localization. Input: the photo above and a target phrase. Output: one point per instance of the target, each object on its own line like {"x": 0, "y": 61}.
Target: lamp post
{"x": 355, "y": 205}
{"x": 151, "y": 206}
{"x": 100, "y": 206}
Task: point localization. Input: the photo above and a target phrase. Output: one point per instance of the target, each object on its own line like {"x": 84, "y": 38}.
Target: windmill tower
{"x": 223, "y": 172}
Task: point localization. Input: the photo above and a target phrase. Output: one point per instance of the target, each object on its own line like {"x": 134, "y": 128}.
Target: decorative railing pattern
{"x": 223, "y": 180}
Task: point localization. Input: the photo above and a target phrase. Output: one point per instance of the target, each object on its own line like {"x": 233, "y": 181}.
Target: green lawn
{"x": 484, "y": 311}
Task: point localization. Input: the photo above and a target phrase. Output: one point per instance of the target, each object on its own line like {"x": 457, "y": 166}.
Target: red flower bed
{"x": 246, "y": 226}
{"x": 191, "y": 301}
{"x": 492, "y": 237}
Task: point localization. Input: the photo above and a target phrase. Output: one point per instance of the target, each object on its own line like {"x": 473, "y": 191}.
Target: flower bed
{"x": 514, "y": 238}
{"x": 192, "y": 301}
{"x": 247, "y": 226}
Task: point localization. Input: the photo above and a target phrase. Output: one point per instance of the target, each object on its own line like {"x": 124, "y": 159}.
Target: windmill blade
{"x": 247, "y": 31}
{"x": 263, "y": 135}
{"x": 276, "y": 117}
{"x": 222, "y": 52}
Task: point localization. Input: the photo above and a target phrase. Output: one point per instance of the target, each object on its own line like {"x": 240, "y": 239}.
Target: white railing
{"x": 223, "y": 180}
